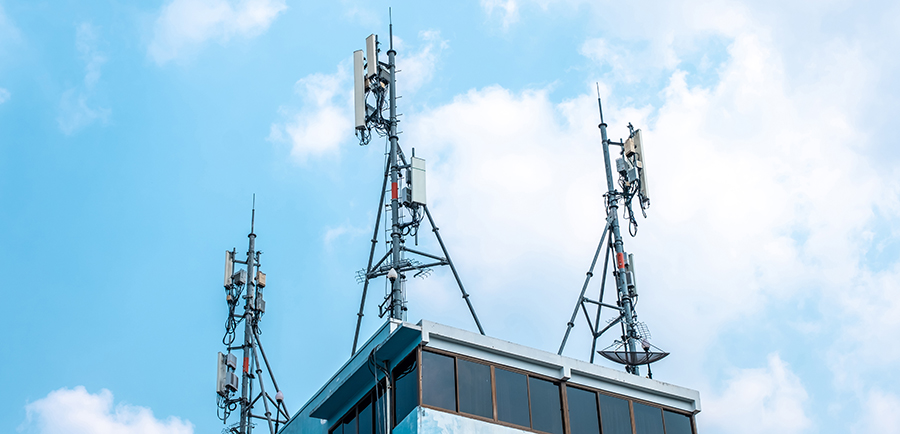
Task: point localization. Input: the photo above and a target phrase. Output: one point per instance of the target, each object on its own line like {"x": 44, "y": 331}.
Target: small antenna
{"x": 391, "y": 28}
{"x": 599, "y": 103}
{"x": 253, "y": 214}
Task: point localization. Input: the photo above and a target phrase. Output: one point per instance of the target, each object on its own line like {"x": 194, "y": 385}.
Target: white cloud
{"x": 335, "y": 233}
{"x": 323, "y": 122}
{"x": 4, "y": 95}
{"x": 183, "y": 26}
{"x": 75, "y": 108}
{"x": 881, "y": 415}
{"x": 760, "y": 192}
{"x": 8, "y": 31}
{"x": 418, "y": 68}
{"x": 76, "y": 411}
{"x": 770, "y": 399}
{"x": 507, "y": 9}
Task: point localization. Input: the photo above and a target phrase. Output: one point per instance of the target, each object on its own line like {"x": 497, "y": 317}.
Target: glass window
{"x": 647, "y": 419}
{"x": 339, "y": 429}
{"x": 615, "y": 418}
{"x": 512, "y": 397}
{"x": 406, "y": 388}
{"x": 475, "y": 388}
{"x": 349, "y": 424}
{"x": 677, "y": 423}
{"x": 546, "y": 407}
{"x": 365, "y": 417}
{"x": 438, "y": 381}
{"x": 583, "y": 416}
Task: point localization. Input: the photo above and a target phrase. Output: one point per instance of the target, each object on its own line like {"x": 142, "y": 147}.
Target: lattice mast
{"x": 375, "y": 81}
{"x": 632, "y": 183}
{"x": 246, "y": 284}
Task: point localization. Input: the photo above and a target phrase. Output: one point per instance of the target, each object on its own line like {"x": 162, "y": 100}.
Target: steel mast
{"x": 377, "y": 80}
{"x": 612, "y": 205}
{"x": 247, "y": 284}
{"x": 633, "y": 182}
{"x": 398, "y": 293}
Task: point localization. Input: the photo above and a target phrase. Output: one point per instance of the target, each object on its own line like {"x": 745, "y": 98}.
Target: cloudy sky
{"x": 133, "y": 136}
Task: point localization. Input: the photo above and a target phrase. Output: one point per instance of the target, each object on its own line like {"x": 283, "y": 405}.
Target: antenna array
{"x": 632, "y": 184}
{"x": 245, "y": 285}
{"x": 374, "y": 97}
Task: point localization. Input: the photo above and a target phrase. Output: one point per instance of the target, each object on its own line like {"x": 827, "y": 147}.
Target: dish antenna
{"x": 632, "y": 170}
{"x": 375, "y": 109}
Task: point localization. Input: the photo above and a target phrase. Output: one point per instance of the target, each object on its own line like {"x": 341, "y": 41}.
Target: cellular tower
{"x": 375, "y": 110}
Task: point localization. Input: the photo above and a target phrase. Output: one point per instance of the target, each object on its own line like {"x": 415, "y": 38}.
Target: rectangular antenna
{"x": 642, "y": 161}
{"x": 417, "y": 179}
{"x": 229, "y": 267}
{"x": 359, "y": 90}
{"x": 372, "y": 55}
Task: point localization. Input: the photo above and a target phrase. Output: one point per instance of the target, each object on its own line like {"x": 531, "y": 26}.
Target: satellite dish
{"x": 618, "y": 353}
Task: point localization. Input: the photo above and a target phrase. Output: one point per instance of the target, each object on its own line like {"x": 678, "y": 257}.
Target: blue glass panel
{"x": 546, "y": 407}
{"x": 677, "y": 423}
{"x": 512, "y": 397}
{"x": 438, "y": 381}
{"x": 647, "y": 419}
{"x": 615, "y": 417}
{"x": 583, "y": 415}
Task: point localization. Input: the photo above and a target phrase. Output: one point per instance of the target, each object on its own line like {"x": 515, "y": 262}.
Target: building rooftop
{"x": 444, "y": 376}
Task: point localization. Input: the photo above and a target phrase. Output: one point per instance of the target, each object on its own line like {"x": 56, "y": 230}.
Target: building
{"x": 447, "y": 380}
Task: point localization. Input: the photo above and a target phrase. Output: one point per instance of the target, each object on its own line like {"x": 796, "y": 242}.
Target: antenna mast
{"x": 376, "y": 82}
{"x": 633, "y": 183}
{"x": 244, "y": 284}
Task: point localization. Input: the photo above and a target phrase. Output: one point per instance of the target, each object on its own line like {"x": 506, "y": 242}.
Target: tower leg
{"x": 462, "y": 289}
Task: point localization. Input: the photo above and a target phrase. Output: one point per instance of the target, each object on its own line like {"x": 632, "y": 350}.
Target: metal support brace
{"x": 462, "y": 289}
{"x": 362, "y": 302}
{"x": 584, "y": 287}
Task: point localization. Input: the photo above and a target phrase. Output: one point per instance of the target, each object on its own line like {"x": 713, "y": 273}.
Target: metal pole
{"x": 465, "y": 295}
{"x": 619, "y": 270}
{"x": 398, "y": 311}
{"x": 248, "y": 331}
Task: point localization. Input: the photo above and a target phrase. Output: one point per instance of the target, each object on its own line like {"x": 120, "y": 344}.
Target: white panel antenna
{"x": 229, "y": 268}
{"x": 359, "y": 90}
{"x": 642, "y": 165}
{"x": 372, "y": 55}
{"x": 417, "y": 179}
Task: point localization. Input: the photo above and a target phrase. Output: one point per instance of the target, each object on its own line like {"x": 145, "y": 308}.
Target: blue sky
{"x": 132, "y": 138}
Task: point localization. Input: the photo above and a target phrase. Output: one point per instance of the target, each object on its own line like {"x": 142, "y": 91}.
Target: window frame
{"x": 556, "y": 381}
{"x": 561, "y": 385}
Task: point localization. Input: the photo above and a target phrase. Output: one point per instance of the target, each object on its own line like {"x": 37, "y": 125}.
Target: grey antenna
{"x": 632, "y": 184}
{"x": 247, "y": 284}
{"x": 375, "y": 93}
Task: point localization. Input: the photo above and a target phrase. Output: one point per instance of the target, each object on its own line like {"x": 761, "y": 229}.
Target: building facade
{"x": 428, "y": 378}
